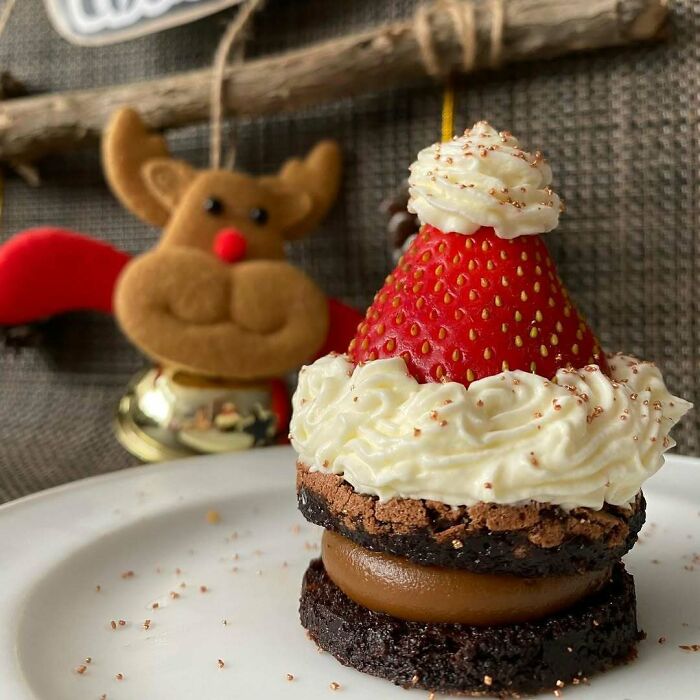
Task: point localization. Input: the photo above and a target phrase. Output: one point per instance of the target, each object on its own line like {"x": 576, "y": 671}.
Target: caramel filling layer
{"x": 394, "y": 585}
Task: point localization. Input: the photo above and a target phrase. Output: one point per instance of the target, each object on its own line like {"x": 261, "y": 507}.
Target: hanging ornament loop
{"x": 463, "y": 16}
{"x": 231, "y": 36}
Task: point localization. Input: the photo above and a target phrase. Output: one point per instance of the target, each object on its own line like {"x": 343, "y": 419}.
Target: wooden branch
{"x": 383, "y": 57}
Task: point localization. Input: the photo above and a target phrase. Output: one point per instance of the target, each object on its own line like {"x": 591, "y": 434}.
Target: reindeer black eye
{"x": 258, "y": 215}
{"x": 213, "y": 206}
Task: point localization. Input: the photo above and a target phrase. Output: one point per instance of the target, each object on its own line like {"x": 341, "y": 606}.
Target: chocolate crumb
{"x": 203, "y": 589}
{"x": 119, "y": 676}
{"x": 220, "y": 663}
{"x": 689, "y": 647}
{"x": 147, "y": 624}
{"x": 662, "y": 640}
{"x": 128, "y": 574}
{"x": 213, "y": 517}
{"x": 80, "y": 670}
{"x": 290, "y": 677}
{"x": 334, "y": 686}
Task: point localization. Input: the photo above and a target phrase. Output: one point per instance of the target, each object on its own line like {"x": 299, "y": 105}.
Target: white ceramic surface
{"x": 57, "y": 546}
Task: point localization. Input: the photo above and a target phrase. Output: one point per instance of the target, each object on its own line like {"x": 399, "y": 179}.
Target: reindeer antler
{"x": 126, "y": 146}
{"x": 319, "y": 176}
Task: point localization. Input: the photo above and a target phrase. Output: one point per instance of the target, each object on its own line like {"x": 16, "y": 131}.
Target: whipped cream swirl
{"x": 581, "y": 439}
{"x": 483, "y": 178}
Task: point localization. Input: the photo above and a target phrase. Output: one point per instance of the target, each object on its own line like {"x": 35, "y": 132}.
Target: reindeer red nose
{"x": 230, "y": 245}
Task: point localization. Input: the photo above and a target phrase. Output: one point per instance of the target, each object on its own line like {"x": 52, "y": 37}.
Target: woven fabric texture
{"x": 620, "y": 127}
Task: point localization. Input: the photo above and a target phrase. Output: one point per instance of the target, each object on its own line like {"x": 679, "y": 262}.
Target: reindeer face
{"x": 234, "y": 216}
{"x": 215, "y": 296}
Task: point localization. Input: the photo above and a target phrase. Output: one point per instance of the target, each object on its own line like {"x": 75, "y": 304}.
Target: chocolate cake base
{"x": 511, "y": 660}
{"x": 531, "y": 540}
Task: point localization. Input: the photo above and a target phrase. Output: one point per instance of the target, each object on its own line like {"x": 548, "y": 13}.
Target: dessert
{"x": 475, "y": 458}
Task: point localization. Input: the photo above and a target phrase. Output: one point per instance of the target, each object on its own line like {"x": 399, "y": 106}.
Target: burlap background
{"x": 621, "y": 128}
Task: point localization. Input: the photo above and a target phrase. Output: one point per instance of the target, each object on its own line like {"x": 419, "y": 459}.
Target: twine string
{"x": 5, "y": 14}
{"x": 4, "y": 19}
{"x": 463, "y": 16}
{"x": 233, "y": 33}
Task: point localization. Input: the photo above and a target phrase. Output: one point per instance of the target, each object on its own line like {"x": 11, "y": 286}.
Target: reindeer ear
{"x": 167, "y": 179}
{"x": 290, "y": 206}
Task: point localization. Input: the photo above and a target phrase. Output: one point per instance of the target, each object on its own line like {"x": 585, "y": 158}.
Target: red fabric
{"x": 343, "y": 326}
{"x": 48, "y": 271}
{"x": 281, "y": 407}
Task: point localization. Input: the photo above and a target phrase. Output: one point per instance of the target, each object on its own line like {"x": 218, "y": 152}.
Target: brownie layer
{"x": 530, "y": 540}
{"x": 510, "y": 660}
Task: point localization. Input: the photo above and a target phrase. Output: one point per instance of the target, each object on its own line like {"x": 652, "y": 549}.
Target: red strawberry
{"x": 459, "y": 308}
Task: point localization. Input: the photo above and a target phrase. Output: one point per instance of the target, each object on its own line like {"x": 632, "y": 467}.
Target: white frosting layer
{"x": 483, "y": 178}
{"x": 580, "y": 440}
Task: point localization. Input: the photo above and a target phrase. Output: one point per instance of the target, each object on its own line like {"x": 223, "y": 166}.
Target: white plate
{"x": 59, "y": 545}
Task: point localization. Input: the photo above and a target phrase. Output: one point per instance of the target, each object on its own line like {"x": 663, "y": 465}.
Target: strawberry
{"x": 463, "y": 307}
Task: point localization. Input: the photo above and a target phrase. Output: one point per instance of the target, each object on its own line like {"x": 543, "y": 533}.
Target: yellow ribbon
{"x": 448, "y": 111}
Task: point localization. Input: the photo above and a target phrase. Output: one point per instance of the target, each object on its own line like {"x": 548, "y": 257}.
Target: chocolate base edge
{"x": 449, "y": 538}
{"x": 506, "y": 661}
